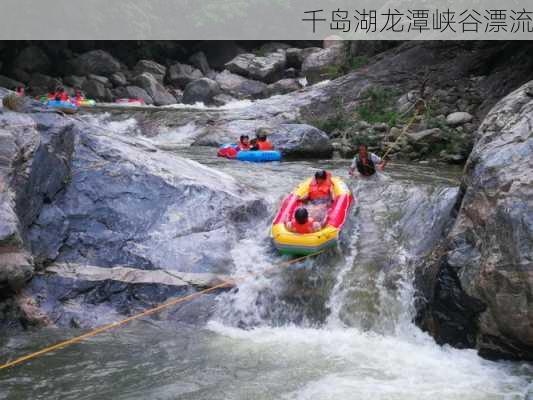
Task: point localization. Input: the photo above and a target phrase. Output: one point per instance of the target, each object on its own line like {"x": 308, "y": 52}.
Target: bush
{"x": 377, "y": 105}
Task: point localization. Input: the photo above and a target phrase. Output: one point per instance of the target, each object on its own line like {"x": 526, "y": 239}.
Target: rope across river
{"x": 154, "y": 310}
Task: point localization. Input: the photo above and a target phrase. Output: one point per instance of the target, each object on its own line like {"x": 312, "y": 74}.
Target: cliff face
{"x": 481, "y": 285}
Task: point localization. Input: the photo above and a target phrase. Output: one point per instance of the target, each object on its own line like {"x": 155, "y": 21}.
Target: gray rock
{"x": 97, "y": 62}
{"x": 306, "y": 53}
{"x": 180, "y": 75}
{"x": 317, "y": 63}
{"x": 485, "y": 276}
{"x": 199, "y": 60}
{"x": 107, "y": 214}
{"x": 118, "y": 79}
{"x": 133, "y": 92}
{"x": 240, "y": 87}
{"x": 75, "y": 81}
{"x": 290, "y": 73}
{"x": 9, "y": 83}
{"x": 32, "y": 59}
{"x": 43, "y": 83}
{"x": 223, "y": 99}
{"x": 95, "y": 89}
{"x": 458, "y": 118}
{"x": 301, "y": 140}
{"x": 284, "y": 86}
{"x": 156, "y": 91}
{"x": 203, "y": 90}
{"x": 102, "y": 79}
{"x": 294, "y": 59}
{"x": 266, "y": 69}
{"x": 158, "y": 71}
{"x": 426, "y": 135}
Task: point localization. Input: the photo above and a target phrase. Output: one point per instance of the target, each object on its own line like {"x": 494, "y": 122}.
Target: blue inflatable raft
{"x": 250, "y": 155}
{"x": 258, "y": 155}
{"x": 65, "y": 106}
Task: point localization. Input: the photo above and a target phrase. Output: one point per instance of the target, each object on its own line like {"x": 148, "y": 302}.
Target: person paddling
{"x": 366, "y": 163}
{"x": 302, "y": 223}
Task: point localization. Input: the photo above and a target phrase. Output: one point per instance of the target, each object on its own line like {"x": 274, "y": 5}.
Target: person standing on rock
{"x": 366, "y": 163}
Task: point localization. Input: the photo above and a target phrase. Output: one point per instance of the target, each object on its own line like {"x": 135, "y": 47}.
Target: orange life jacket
{"x": 264, "y": 146}
{"x": 320, "y": 191}
{"x": 303, "y": 228}
{"x": 243, "y": 146}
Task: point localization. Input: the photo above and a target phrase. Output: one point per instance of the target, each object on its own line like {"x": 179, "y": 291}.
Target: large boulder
{"x": 9, "y": 83}
{"x": 133, "y": 92}
{"x": 158, "y": 71}
{"x": 33, "y": 169}
{"x": 97, "y": 89}
{"x": 201, "y": 91}
{"x": 156, "y": 90}
{"x": 129, "y": 204}
{"x": 240, "y": 87}
{"x": 75, "y": 81}
{"x": 41, "y": 84}
{"x": 180, "y": 75}
{"x": 301, "y": 140}
{"x": 199, "y": 60}
{"x": 284, "y": 86}
{"x": 317, "y": 64}
{"x": 478, "y": 294}
{"x": 98, "y": 62}
{"x": 32, "y": 59}
{"x": 265, "y": 69}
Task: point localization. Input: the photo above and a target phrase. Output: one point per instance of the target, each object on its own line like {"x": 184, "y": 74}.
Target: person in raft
{"x": 264, "y": 144}
{"x": 244, "y": 143}
{"x": 78, "y": 96}
{"x": 60, "y": 94}
{"x": 254, "y": 146}
{"x": 302, "y": 223}
{"x": 319, "y": 196}
{"x": 366, "y": 163}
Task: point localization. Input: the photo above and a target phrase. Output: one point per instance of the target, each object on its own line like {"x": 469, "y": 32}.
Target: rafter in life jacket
{"x": 366, "y": 169}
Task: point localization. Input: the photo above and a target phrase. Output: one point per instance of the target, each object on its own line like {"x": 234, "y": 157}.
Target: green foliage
{"x": 357, "y": 62}
{"x": 339, "y": 120}
{"x": 377, "y": 105}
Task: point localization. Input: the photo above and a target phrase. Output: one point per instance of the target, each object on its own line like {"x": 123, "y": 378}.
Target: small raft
{"x": 232, "y": 152}
{"x": 287, "y": 242}
{"x": 65, "y": 106}
{"x": 85, "y": 103}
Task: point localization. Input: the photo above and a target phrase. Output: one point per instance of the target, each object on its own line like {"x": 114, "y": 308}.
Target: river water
{"x": 335, "y": 327}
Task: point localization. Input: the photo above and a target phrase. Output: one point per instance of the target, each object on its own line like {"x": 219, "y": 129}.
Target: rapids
{"x": 335, "y": 327}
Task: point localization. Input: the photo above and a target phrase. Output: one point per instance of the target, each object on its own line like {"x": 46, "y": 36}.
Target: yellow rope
{"x": 145, "y": 313}
{"x": 404, "y": 130}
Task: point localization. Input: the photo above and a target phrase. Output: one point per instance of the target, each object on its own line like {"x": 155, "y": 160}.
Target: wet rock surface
{"x": 485, "y": 271}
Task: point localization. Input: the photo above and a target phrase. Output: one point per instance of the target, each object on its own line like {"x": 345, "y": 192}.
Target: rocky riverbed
{"x": 118, "y": 189}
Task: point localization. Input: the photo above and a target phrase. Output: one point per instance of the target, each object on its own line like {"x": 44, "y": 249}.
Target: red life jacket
{"x": 265, "y": 146}
{"x": 303, "y": 228}
{"x": 320, "y": 191}
{"x": 243, "y": 146}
